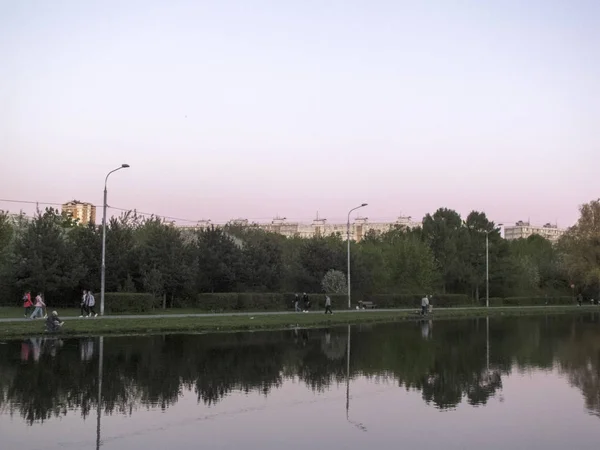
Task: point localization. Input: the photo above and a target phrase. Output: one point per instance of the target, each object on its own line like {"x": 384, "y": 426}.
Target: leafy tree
{"x": 218, "y": 260}
{"x": 334, "y": 282}
{"x": 581, "y": 248}
{"x": 441, "y": 232}
{"x": 45, "y": 260}
{"x": 262, "y": 260}
{"x": 86, "y": 243}
{"x": 473, "y": 250}
{"x": 317, "y": 255}
{"x": 122, "y": 260}
{"x": 161, "y": 251}
{"x": 410, "y": 262}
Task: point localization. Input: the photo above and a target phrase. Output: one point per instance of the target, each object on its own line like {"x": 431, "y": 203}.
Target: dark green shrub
{"x": 532, "y": 301}
{"x": 251, "y": 301}
{"x": 414, "y": 300}
{"x": 121, "y": 302}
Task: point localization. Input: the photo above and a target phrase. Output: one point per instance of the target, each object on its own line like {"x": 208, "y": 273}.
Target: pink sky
{"x": 225, "y": 110}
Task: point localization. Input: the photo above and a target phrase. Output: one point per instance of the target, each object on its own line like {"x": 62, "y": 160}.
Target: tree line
{"x": 54, "y": 254}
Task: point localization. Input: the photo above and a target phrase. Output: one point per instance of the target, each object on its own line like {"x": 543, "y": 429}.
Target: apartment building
{"x": 522, "y": 230}
{"x": 84, "y": 212}
{"x": 359, "y": 227}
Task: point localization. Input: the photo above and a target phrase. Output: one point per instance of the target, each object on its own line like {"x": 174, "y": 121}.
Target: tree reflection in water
{"x": 448, "y": 362}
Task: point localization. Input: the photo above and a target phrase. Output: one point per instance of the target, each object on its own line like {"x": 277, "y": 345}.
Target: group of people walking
{"x": 38, "y": 306}
{"x": 53, "y": 322}
{"x": 88, "y": 305}
{"x": 304, "y": 304}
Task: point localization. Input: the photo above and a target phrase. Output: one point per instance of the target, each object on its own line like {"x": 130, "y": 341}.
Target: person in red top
{"x": 27, "y": 304}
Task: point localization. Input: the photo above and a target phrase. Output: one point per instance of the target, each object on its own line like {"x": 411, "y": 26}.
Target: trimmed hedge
{"x": 248, "y": 301}
{"x": 119, "y": 302}
{"x": 414, "y": 300}
{"x": 234, "y": 301}
{"x": 532, "y": 301}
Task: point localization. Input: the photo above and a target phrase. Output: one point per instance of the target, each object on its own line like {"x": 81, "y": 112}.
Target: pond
{"x": 498, "y": 383}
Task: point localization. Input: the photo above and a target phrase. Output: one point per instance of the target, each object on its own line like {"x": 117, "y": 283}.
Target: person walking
{"x": 39, "y": 306}
{"x": 328, "y": 305}
{"x": 83, "y": 306}
{"x": 27, "y": 303}
{"x": 424, "y": 305}
{"x": 306, "y": 302}
{"x": 297, "y": 303}
{"x": 91, "y": 303}
{"x": 579, "y": 299}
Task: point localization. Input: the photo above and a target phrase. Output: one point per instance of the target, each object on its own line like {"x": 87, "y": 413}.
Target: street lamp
{"x": 348, "y": 238}
{"x": 103, "y": 267}
{"x": 487, "y": 266}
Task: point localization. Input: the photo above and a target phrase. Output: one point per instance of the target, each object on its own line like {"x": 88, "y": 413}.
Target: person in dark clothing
{"x": 328, "y": 305}
{"x": 306, "y": 302}
{"x": 297, "y": 303}
{"x": 84, "y": 309}
{"x": 579, "y": 299}
{"x": 53, "y": 322}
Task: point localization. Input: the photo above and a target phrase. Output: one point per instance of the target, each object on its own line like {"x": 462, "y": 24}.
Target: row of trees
{"x": 53, "y": 254}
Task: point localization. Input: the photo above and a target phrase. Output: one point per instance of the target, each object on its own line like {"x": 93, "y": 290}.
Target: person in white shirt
{"x": 91, "y": 303}
{"x": 424, "y": 305}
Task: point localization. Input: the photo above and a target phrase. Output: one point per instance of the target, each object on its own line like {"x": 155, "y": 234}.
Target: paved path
{"x": 271, "y": 313}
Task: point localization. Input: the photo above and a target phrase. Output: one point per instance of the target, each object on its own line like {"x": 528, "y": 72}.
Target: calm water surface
{"x": 518, "y": 383}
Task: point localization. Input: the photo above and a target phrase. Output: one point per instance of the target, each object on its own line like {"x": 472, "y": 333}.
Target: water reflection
{"x": 447, "y": 362}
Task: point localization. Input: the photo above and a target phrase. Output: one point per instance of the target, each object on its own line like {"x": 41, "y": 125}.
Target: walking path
{"x": 276, "y": 313}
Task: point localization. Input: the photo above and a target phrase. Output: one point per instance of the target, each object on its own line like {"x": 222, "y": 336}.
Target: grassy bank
{"x": 153, "y": 325}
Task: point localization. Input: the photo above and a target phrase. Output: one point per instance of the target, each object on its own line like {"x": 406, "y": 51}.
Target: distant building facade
{"x": 522, "y": 230}
{"x": 84, "y": 212}
{"x": 359, "y": 227}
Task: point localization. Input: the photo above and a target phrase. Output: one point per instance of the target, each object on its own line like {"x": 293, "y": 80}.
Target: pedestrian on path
{"x": 424, "y": 305}
{"x": 27, "y": 303}
{"x": 91, "y": 303}
{"x": 328, "y": 305}
{"x": 84, "y": 309}
{"x": 306, "y": 302}
{"x": 39, "y": 306}
{"x": 297, "y": 303}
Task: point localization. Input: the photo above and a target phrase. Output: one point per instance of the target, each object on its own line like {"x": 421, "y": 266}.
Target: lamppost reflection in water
{"x": 99, "y": 410}
{"x": 360, "y": 426}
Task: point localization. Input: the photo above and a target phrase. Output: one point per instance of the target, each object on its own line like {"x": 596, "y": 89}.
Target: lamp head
{"x": 364, "y": 204}
{"x": 124, "y": 166}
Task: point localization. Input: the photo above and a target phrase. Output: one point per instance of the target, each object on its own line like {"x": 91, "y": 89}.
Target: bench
{"x": 366, "y": 305}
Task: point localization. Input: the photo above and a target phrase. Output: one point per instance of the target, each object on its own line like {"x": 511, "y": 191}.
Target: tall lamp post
{"x": 487, "y": 266}
{"x": 103, "y": 267}
{"x": 348, "y": 238}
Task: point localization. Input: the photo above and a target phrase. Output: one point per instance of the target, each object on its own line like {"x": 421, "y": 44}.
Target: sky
{"x": 256, "y": 108}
